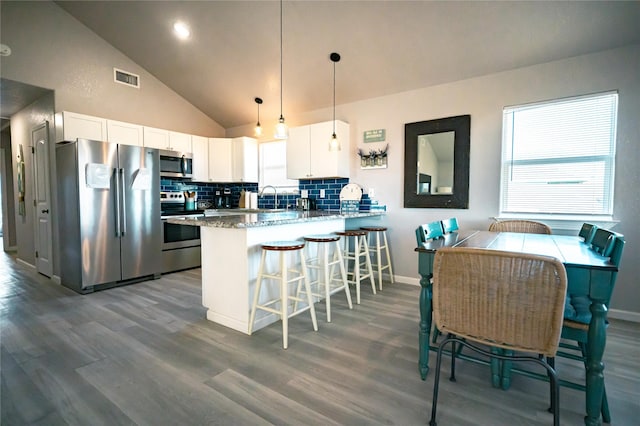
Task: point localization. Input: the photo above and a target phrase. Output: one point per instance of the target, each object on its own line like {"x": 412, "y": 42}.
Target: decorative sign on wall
{"x": 378, "y": 135}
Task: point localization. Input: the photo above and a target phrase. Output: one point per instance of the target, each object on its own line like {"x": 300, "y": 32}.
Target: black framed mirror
{"x": 436, "y": 163}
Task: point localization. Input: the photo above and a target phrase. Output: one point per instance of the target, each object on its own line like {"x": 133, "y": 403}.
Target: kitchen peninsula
{"x": 231, "y": 254}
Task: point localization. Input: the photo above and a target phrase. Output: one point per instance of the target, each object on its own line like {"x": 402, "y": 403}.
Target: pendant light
{"x": 282, "y": 132}
{"x": 334, "y": 143}
{"x": 258, "y": 129}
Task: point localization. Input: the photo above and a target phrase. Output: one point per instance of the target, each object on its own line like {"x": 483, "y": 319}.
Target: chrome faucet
{"x": 275, "y": 194}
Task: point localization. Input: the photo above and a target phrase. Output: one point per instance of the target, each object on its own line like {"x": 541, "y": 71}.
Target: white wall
{"x": 484, "y": 98}
{"x": 51, "y": 49}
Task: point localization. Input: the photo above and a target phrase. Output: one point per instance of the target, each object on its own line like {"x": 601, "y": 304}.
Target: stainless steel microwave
{"x": 176, "y": 164}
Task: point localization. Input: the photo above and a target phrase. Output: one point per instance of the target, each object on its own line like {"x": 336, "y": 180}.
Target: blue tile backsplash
{"x": 331, "y": 200}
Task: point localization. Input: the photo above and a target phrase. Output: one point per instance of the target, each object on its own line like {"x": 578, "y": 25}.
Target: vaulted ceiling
{"x": 233, "y": 54}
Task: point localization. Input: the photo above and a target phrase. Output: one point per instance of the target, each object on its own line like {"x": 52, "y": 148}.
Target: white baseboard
{"x": 24, "y": 263}
{"x": 624, "y": 315}
{"x": 407, "y": 280}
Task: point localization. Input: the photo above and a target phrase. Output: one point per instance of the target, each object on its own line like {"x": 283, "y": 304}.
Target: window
{"x": 558, "y": 156}
{"x": 273, "y": 166}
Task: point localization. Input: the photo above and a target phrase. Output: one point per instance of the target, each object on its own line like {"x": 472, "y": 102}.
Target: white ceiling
{"x": 387, "y": 47}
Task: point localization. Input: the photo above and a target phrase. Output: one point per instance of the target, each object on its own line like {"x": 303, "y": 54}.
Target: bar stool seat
{"x": 360, "y": 257}
{"x": 282, "y": 276}
{"x": 328, "y": 285}
{"x": 378, "y": 247}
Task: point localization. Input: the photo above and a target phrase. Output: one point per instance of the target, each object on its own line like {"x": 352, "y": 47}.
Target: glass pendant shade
{"x": 282, "y": 131}
{"x": 334, "y": 143}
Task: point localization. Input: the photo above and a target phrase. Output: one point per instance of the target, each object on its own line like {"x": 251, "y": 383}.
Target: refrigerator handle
{"x": 117, "y": 212}
{"x": 124, "y": 205}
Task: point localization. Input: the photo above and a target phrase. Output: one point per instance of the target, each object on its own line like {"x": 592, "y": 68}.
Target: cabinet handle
{"x": 45, "y": 211}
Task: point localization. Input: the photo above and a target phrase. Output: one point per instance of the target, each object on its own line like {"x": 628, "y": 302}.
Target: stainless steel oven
{"x": 180, "y": 243}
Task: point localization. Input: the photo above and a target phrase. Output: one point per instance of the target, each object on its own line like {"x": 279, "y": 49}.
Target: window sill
{"x": 564, "y": 224}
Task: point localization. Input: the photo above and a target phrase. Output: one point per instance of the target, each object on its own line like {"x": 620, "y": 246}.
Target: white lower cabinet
{"x": 308, "y": 155}
{"x": 200, "y": 148}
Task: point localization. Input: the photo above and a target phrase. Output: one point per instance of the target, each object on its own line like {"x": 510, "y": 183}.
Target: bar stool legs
{"x": 361, "y": 250}
{"x": 378, "y": 248}
{"x": 328, "y": 284}
{"x": 282, "y": 277}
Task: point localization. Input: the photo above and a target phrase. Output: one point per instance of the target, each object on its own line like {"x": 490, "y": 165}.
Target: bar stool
{"x": 329, "y": 285}
{"x": 360, "y": 250}
{"x": 282, "y": 276}
{"x": 378, "y": 248}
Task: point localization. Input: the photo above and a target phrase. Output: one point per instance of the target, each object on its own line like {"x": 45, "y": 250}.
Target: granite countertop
{"x": 229, "y": 219}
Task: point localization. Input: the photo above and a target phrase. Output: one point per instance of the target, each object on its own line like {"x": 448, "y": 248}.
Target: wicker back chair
{"x": 507, "y": 300}
{"x": 526, "y": 226}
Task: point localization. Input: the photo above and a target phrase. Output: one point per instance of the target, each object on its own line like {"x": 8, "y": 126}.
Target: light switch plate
{"x": 371, "y": 193}
{"x": 304, "y": 193}
{"x": 322, "y": 194}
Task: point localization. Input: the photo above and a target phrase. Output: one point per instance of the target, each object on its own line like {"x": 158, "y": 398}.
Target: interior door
{"x": 42, "y": 232}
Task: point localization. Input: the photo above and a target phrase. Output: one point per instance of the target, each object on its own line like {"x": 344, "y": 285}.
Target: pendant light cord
{"x": 281, "y": 117}
{"x": 334, "y": 98}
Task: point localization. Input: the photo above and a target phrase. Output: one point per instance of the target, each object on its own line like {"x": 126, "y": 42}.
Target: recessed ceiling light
{"x": 182, "y": 30}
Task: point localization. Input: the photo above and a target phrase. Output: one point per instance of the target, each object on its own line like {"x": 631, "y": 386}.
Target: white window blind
{"x": 558, "y": 156}
{"x": 273, "y": 166}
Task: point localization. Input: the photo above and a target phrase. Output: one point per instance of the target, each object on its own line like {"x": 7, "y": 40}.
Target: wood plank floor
{"x": 145, "y": 354}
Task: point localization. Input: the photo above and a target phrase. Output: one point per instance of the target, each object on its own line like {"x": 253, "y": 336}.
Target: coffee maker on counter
{"x": 222, "y": 199}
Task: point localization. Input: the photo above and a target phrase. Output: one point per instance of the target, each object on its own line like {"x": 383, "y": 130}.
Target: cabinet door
{"x": 220, "y": 160}
{"x": 74, "y": 126}
{"x": 245, "y": 160}
{"x": 180, "y": 142}
{"x": 298, "y": 153}
{"x": 124, "y": 133}
{"x": 156, "y": 138}
{"x": 329, "y": 163}
{"x": 200, "y": 146}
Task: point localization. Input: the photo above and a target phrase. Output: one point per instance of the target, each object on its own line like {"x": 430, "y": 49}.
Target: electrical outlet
{"x": 304, "y": 193}
{"x": 322, "y": 194}
{"x": 372, "y": 193}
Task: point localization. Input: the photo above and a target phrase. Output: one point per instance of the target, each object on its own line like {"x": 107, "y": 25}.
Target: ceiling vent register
{"x": 126, "y": 77}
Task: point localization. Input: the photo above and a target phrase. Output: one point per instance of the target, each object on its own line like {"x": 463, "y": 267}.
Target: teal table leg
{"x": 506, "y": 370}
{"x": 595, "y": 367}
{"x": 495, "y": 367}
{"x": 425, "y": 325}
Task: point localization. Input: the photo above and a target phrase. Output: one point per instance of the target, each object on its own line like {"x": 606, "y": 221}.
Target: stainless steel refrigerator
{"x": 109, "y": 214}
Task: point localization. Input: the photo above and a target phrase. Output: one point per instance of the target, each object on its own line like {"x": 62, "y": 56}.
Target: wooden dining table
{"x": 588, "y": 273}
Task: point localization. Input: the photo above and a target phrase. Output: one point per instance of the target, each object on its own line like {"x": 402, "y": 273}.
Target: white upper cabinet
{"x": 200, "y": 146}
{"x": 124, "y": 133}
{"x": 71, "y": 126}
{"x": 299, "y": 153}
{"x": 245, "y": 159}
{"x": 180, "y": 142}
{"x": 156, "y": 138}
{"x": 308, "y": 155}
{"x": 233, "y": 160}
{"x": 220, "y": 160}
